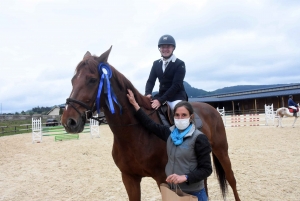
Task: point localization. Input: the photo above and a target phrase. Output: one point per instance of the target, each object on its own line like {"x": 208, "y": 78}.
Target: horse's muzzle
{"x": 74, "y": 126}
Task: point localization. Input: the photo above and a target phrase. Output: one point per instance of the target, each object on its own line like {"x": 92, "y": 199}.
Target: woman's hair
{"x": 185, "y": 104}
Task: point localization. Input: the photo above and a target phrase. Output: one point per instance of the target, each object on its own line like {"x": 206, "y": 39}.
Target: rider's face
{"x": 166, "y": 50}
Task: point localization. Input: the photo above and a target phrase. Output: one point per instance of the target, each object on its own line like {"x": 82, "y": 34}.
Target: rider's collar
{"x": 172, "y": 58}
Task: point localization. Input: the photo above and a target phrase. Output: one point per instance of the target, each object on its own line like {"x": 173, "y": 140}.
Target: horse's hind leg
{"x": 133, "y": 186}
{"x": 222, "y": 156}
{"x": 280, "y": 120}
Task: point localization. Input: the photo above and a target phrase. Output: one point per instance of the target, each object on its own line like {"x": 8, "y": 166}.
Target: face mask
{"x": 182, "y": 124}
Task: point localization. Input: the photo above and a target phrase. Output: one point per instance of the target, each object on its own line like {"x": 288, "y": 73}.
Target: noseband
{"x": 88, "y": 114}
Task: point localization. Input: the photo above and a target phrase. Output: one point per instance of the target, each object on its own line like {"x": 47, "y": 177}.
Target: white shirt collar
{"x": 172, "y": 58}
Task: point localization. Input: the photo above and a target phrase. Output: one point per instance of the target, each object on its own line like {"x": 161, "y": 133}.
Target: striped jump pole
{"x": 245, "y": 120}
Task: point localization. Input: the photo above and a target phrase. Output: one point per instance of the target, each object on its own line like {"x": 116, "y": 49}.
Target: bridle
{"x": 88, "y": 114}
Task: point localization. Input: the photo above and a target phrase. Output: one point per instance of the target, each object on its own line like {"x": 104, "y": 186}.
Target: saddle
{"x": 291, "y": 110}
{"x": 166, "y": 116}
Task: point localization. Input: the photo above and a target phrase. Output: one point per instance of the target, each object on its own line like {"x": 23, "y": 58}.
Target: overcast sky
{"x": 223, "y": 43}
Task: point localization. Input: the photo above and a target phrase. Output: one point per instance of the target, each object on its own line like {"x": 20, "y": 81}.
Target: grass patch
{"x": 8, "y": 127}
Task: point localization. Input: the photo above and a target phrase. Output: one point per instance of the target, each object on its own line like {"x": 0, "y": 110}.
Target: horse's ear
{"x": 87, "y": 54}
{"x": 104, "y": 56}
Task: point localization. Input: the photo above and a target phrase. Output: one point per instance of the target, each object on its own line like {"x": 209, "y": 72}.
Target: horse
{"x": 136, "y": 152}
{"x": 283, "y": 111}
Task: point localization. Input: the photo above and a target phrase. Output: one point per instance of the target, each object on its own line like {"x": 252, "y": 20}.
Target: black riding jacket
{"x": 171, "y": 81}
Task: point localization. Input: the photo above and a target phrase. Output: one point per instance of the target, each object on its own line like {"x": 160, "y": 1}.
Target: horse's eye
{"x": 93, "y": 81}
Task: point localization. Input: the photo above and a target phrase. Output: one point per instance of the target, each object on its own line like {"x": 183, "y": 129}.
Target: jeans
{"x": 201, "y": 195}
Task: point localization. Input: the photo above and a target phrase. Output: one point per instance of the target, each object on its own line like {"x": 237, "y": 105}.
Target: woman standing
{"x": 188, "y": 149}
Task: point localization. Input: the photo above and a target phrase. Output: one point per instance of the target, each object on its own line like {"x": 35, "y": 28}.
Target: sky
{"x": 223, "y": 43}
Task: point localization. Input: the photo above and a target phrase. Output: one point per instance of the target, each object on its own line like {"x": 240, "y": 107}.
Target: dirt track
{"x": 265, "y": 160}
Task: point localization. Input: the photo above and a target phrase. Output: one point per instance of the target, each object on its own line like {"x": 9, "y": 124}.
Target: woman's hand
{"x": 132, "y": 100}
{"x": 176, "y": 179}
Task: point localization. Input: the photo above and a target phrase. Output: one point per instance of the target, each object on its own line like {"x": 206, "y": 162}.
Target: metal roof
{"x": 262, "y": 93}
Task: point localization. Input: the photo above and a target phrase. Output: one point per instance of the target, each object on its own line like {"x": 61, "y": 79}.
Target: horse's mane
{"x": 125, "y": 84}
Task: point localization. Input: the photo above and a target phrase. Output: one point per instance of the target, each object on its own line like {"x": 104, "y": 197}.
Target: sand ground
{"x": 265, "y": 160}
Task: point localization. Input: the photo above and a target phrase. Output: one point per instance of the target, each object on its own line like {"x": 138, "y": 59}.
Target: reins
{"x": 120, "y": 125}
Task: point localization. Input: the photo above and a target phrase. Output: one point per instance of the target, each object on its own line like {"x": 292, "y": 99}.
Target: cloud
{"x": 223, "y": 43}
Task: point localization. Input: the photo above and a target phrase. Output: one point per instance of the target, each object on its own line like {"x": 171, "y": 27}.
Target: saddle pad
{"x": 198, "y": 121}
{"x": 292, "y": 110}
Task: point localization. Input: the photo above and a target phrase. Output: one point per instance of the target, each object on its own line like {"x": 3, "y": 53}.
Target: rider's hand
{"x": 155, "y": 104}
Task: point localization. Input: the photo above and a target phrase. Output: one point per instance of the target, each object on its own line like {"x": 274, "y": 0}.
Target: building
{"x": 252, "y": 102}
{"x": 55, "y": 110}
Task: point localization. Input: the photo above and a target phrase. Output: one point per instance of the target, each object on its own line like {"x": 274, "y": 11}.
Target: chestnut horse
{"x": 136, "y": 152}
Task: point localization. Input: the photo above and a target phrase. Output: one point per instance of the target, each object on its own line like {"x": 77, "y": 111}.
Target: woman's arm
{"x": 159, "y": 130}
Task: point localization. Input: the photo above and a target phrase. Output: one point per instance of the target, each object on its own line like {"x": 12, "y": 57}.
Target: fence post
{"x": 36, "y": 130}
{"x": 222, "y": 113}
{"x": 269, "y": 114}
{"x": 94, "y": 128}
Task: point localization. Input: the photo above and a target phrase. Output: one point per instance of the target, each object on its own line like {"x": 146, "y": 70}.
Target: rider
{"x": 293, "y": 105}
{"x": 170, "y": 72}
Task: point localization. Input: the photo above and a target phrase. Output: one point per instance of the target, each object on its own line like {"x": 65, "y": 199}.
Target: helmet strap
{"x": 168, "y": 56}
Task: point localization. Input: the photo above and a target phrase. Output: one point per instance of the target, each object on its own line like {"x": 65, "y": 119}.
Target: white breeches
{"x": 173, "y": 103}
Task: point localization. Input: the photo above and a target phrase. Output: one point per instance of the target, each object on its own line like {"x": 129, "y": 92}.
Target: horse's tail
{"x": 220, "y": 175}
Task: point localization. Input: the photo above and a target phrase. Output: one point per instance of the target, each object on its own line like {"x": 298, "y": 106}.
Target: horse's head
{"x": 81, "y": 103}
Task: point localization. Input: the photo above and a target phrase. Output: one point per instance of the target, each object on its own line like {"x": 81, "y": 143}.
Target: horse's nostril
{"x": 71, "y": 122}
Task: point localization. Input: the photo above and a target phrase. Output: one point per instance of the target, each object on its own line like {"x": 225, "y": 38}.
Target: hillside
{"x": 194, "y": 92}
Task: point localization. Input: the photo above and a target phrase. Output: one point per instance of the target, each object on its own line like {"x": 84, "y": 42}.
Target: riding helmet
{"x": 166, "y": 40}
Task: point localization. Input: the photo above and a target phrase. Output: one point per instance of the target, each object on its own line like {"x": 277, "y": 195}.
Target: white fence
{"x": 37, "y": 130}
{"x": 94, "y": 128}
{"x": 248, "y": 119}
{"x": 269, "y": 114}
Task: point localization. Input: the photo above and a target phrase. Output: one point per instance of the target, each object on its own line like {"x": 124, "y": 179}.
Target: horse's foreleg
{"x": 133, "y": 186}
{"x": 294, "y": 122}
{"x": 280, "y": 121}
